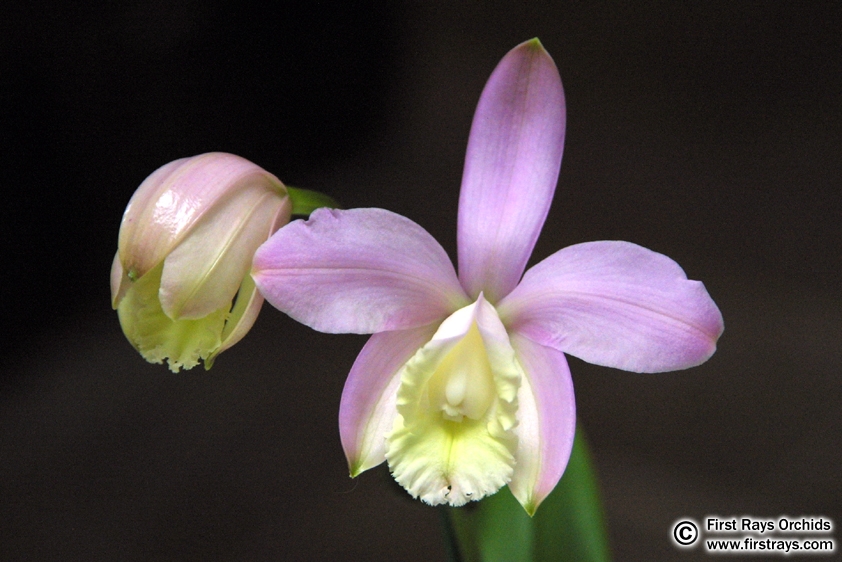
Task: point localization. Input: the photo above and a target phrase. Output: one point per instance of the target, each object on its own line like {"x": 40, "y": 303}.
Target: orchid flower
{"x": 186, "y": 243}
{"x": 464, "y": 386}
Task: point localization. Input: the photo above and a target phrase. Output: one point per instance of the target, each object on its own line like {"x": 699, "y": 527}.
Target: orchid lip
{"x": 453, "y": 439}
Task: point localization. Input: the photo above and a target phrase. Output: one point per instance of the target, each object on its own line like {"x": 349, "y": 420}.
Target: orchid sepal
{"x": 511, "y": 170}
{"x": 167, "y": 205}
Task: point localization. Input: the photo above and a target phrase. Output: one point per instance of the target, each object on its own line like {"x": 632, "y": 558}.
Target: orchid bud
{"x": 180, "y": 281}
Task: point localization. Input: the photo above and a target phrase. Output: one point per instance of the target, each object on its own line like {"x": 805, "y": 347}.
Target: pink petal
{"x": 249, "y": 300}
{"x": 203, "y": 273}
{"x": 359, "y": 271}
{"x": 367, "y": 411}
{"x": 616, "y": 304}
{"x": 173, "y": 198}
{"x": 119, "y": 281}
{"x": 141, "y": 238}
{"x": 546, "y": 422}
{"x": 511, "y": 170}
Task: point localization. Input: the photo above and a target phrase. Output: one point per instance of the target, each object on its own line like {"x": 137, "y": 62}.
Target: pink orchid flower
{"x": 464, "y": 386}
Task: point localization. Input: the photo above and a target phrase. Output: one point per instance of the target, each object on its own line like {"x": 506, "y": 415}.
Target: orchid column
{"x": 464, "y": 387}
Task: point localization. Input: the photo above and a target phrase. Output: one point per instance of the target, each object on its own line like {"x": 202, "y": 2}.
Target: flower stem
{"x": 305, "y": 201}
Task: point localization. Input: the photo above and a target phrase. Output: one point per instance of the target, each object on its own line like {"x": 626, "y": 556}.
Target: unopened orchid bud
{"x": 180, "y": 280}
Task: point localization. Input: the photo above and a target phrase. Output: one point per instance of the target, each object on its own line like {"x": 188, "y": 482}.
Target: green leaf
{"x": 305, "y": 201}
{"x": 569, "y": 524}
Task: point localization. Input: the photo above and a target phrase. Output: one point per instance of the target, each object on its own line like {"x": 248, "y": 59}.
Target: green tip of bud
{"x": 132, "y": 275}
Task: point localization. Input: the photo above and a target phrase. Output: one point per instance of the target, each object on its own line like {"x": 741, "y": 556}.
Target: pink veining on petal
{"x": 368, "y": 409}
{"x": 616, "y": 304}
{"x": 547, "y": 421}
{"x": 511, "y": 169}
{"x": 359, "y": 271}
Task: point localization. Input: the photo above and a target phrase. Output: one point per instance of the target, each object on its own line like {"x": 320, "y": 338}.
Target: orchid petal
{"x": 359, "y": 271}
{"x": 249, "y": 300}
{"x": 120, "y": 282}
{"x": 511, "y": 170}
{"x": 173, "y": 198}
{"x": 200, "y": 277}
{"x": 546, "y": 422}
{"x": 616, "y": 304}
{"x": 367, "y": 410}
{"x": 135, "y": 234}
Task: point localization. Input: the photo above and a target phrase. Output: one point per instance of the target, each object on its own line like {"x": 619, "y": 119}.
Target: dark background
{"x": 708, "y": 131}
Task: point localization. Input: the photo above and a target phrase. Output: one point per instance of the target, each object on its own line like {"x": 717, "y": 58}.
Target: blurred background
{"x": 707, "y": 131}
